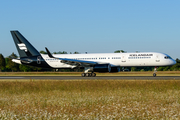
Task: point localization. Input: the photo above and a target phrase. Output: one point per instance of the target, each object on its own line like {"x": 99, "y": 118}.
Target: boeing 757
{"x": 91, "y": 63}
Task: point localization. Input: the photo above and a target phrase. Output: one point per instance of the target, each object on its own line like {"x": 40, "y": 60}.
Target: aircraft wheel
{"x": 87, "y": 75}
{"x": 154, "y": 74}
{"x": 93, "y": 74}
{"x": 83, "y": 75}
{"x": 90, "y": 75}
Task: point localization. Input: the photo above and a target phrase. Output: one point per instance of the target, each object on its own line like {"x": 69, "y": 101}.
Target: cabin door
{"x": 157, "y": 58}
{"x": 123, "y": 59}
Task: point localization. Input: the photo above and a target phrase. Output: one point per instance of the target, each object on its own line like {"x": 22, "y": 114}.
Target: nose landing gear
{"x": 155, "y": 70}
{"x": 154, "y": 74}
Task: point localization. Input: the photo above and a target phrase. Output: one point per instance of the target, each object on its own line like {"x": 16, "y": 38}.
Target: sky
{"x": 93, "y": 26}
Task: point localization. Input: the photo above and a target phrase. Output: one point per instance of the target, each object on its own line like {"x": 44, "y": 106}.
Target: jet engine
{"x": 115, "y": 69}
{"x": 102, "y": 68}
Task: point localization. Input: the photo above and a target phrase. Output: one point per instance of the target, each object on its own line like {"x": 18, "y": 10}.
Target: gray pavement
{"x": 91, "y": 78}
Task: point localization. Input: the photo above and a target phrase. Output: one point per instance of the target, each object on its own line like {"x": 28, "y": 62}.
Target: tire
{"x": 93, "y": 74}
{"x": 90, "y": 75}
{"x": 154, "y": 74}
{"x": 83, "y": 74}
{"x": 86, "y": 74}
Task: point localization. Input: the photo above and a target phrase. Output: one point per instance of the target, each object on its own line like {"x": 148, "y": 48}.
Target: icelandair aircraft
{"x": 106, "y": 62}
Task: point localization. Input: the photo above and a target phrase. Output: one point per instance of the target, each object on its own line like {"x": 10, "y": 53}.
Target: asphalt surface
{"x": 92, "y": 78}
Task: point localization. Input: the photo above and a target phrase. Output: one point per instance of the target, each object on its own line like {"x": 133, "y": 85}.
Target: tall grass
{"x": 90, "y": 99}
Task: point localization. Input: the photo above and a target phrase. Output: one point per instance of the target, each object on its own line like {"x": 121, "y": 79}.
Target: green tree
{"x": 43, "y": 52}
{"x": 13, "y": 56}
{"x": 64, "y": 52}
{"x": 24, "y": 68}
{"x": 119, "y": 51}
{"x": 167, "y": 68}
{"x": 11, "y": 65}
{"x": 76, "y": 53}
{"x": 133, "y": 69}
{"x": 171, "y": 68}
{"x": 176, "y": 66}
{"x": 2, "y": 62}
{"x": 35, "y": 68}
{"x": 160, "y": 68}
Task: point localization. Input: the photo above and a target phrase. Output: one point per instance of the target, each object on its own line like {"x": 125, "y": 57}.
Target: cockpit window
{"x": 167, "y": 57}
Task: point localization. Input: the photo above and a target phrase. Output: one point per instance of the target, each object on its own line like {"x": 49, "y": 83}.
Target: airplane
{"x": 91, "y": 63}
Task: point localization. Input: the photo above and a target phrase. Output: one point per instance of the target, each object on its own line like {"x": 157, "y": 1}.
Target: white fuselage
{"x": 114, "y": 59}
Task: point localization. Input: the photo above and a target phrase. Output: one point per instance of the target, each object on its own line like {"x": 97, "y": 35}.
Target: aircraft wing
{"x": 73, "y": 61}
{"x": 77, "y": 62}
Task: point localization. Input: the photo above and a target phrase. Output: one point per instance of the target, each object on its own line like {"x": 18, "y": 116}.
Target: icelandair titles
{"x": 133, "y": 55}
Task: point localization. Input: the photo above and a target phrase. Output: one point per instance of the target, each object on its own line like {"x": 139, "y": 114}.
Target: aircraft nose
{"x": 173, "y": 62}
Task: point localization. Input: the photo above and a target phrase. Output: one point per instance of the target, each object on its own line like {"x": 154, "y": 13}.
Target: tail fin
{"x": 24, "y": 48}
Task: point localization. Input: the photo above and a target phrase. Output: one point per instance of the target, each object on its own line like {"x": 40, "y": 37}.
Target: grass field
{"x": 159, "y": 73}
{"x": 90, "y": 99}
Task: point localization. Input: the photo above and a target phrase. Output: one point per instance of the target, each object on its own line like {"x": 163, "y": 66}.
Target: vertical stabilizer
{"x": 24, "y": 48}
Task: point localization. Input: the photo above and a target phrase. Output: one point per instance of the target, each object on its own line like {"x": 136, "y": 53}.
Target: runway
{"x": 90, "y": 78}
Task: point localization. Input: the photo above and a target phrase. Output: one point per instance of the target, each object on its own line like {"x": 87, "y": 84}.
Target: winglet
{"x": 49, "y": 54}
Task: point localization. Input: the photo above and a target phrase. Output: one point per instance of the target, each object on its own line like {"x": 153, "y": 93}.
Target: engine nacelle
{"x": 115, "y": 69}
{"x": 102, "y": 68}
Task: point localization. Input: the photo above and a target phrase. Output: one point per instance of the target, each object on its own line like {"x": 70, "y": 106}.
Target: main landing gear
{"x": 155, "y": 70}
{"x": 88, "y": 74}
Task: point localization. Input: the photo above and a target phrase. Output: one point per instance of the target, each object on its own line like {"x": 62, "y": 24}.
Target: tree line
{"x": 6, "y": 65}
